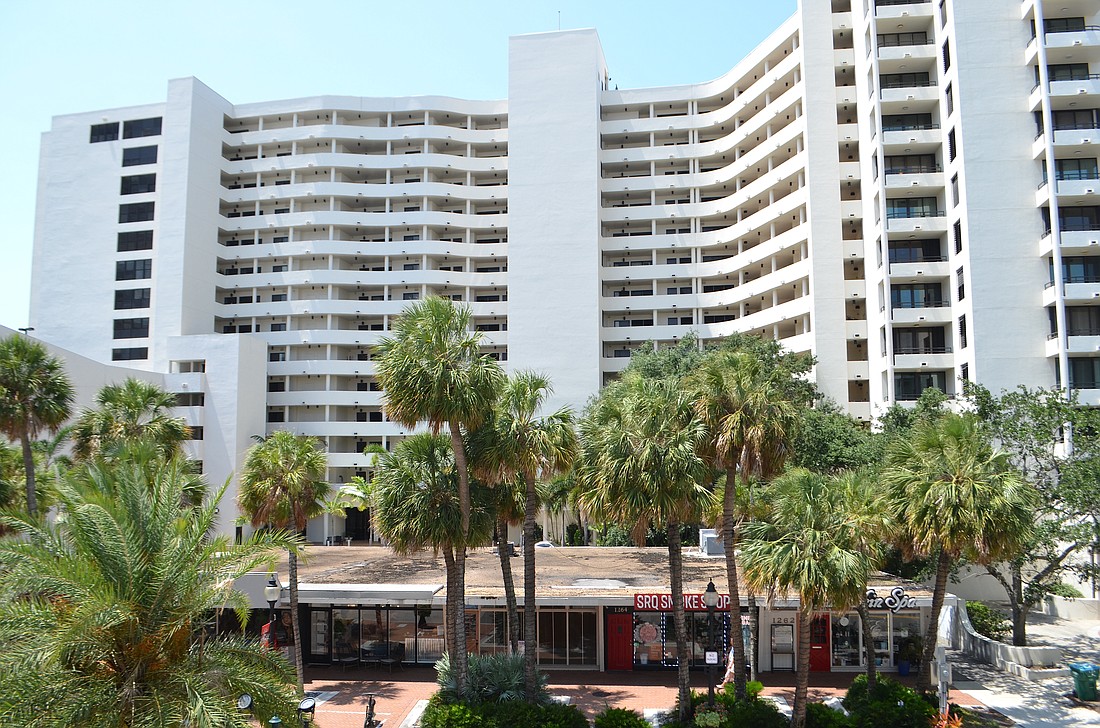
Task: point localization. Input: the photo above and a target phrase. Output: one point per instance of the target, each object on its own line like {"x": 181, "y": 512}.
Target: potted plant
{"x": 909, "y": 652}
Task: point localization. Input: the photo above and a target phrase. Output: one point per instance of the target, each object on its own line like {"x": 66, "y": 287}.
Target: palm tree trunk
{"x": 1020, "y": 608}
{"x": 459, "y": 660}
{"x": 294, "y": 626}
{"x": 676, "y": 574}
{"x": 868, "y": 644}
{"x": 943, "y": 569}
{"x": 509, "y": 584}
{"x": 729, "y": 545}
{"x": 802, "y": 674}
{"x": 28, "y": 467}
{"x": 530, "y": 626}
{"x": 450, "y": 613}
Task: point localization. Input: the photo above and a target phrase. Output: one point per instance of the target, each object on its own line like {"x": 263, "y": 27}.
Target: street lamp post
{"x": 271, "y": 594}
{"x": 369, "y": 721}
{"x": 710, "y": 601}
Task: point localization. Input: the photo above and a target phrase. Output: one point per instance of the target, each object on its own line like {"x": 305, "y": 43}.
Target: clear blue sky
{"x": 68, "y": 56}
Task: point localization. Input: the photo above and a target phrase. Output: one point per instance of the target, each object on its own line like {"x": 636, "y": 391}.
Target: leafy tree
{"x": 432, "y": 370}
{"x": 283, "y": 486}
{"x": 953, "y": 492}
{"x": 35, "y": 395}
{"x": 525, "y": 446}
{"x": 808, "y": 545}
{"x": 127, "y": 413}
{"x": 417, "y": 506}
{"x": 103, "y": 612}
{"x": 1030, "y": 425}
{"x": 639, "y": 464}
{"x": 829, "y": 441}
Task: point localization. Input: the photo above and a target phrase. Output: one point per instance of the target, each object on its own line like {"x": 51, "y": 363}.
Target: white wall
{"x": 553, "y": 207}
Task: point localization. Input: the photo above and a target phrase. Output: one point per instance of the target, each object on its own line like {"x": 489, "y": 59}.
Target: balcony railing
{"x": 1080, "y": 331}
{"x": 1075, "y": 279}
{"x": 1076, "y": 126}
{"x": 921, "y": 350}
{"x": 915, "y": 169}
{"x": 919, "y": 304}
{"x": 906, "y": 214}
{"x": 889, "y": 3}
{"x": 893, "y": 85}
{"x": 910, "y": 127}
{"x": 926, "y": 259}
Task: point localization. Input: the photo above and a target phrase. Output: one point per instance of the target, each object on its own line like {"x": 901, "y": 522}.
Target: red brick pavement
{"x": 397, "y": 693}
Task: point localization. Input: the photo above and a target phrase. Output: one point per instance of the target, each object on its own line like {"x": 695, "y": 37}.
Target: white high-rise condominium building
{"x": 905, "y": 189}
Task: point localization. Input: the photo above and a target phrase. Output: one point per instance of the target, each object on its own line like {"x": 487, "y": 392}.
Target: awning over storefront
{"x": 367, "y": 593}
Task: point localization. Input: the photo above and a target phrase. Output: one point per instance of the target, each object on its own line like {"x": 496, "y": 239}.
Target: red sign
{"x": 267, "y": 636}
{"x": 663, "y": 603}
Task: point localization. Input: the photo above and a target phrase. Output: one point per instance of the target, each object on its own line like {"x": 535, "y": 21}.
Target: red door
{"x": 819, "y": 643}
{"x": 620, "y": 642}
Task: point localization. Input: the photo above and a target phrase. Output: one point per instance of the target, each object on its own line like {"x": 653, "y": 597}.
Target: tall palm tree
{"x": 956, "y": 494}
{"x": 750, "y": 420}
{"x": 133, "y": 411}
{"x": 871, "y": 526}
{"x": 432, "y": 370}
{"x": 528, "y": 446}
{"x": 414, "y": 495}
{"x": 639, "y": 463}
{"x": 103, "y": 613}
{"x": 35, "y": 395}
{"x": 805, "y": 545}
{"x": 283, "y": 486}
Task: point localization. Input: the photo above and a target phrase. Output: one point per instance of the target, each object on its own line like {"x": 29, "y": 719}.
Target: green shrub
{"x": 439, "y": 714}
{"x": 490, "y": 679}
{"x": 890, "y": 704}
{"x": 988, "y": 622}
{"x": 819, "y": 715}
{"x": 519, "y": 714}
{"x": 620, "y": 718}
{"x": 1062, "y": 589}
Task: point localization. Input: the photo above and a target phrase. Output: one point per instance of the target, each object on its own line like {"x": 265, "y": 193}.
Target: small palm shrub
{"x": 889, "y": 704}
{"x": 620, "y": 718}
{"x": 819, "y": 715}
{"x": 490, "y": 679}
{"x": 510, "y": 714}
{"x": 988, "y": 622}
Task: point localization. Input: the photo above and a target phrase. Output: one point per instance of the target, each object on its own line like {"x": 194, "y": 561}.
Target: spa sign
{"x": 897, "y": 601}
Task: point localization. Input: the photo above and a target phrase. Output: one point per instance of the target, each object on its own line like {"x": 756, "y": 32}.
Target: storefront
{"x": 652, "y": 632}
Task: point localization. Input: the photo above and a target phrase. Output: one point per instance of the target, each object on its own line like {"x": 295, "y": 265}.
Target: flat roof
{"x": 575, "y": 575}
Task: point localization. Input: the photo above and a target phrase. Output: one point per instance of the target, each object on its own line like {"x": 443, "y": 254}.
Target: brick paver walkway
{"x": 397, "y": 693}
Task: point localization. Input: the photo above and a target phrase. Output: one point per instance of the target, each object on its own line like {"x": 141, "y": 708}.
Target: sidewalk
{"x": 343, "y": 695}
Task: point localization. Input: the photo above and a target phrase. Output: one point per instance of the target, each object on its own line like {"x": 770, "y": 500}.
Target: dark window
{"x": 135, "y": 212}
{"x": 908, "y": 386}
{"x": 1075, "y": 119}
{"x": 905, "y": 80}
{"x": 915, "y": 251}
{"x": 907, "y": 122}
{"x": 133, "y": 298}
{"x": 1064, "y": 25}
{"x": 190, "y": 399}
{"x": 951, "y": 151}
{"x": 276, "y": 416}
{"x": 141, "y": 128}
{"x": 1075, "y": 169}
{"x": 135, "y": 240}
{"x": 1078, "y": 269}
{"x": 134, "y": 328}
{"x": 137, "y": 352}
{"x": 912, "y": 207}
{"x": 1079, "y": 218}
{"x": 960, "y": 283}
{"x": 276, "y": 356}
{"x": 137, "y": 156}
{"x": 138, "y": 183}
{"x": 1084, "y": 373}
{"x": 278, "y": 327}
{"x": 964, "y": 372}
{"x": 962, "y": 332}
{"x": 955, "y": 190}
{"x": 922, "y": 340}
{"x": 949, "y": 94}
{"x": 276, "y": 385}
{"x": 104, "y": 132}
{"x": 133, "y": 270}
{"x": 911, "y": 164}
{"x": 890, "y": 40}
{"x": 946, "y": 56}
{"x": 957, "y": 233}
{"x": 196, "y": 432}
{"x": 916, "y": 295}
{"x": 1068, "y": 72}
{"x": 1082, "y": 320}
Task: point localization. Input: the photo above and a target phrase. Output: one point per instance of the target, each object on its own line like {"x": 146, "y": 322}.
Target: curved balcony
{"x": 349, "y": 160}
{"x": 370, "y": 191}
{"x": 355, "y": 132}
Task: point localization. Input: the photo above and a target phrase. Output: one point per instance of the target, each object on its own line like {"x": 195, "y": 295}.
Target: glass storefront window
{"x": 881, "y": 636}
{"x": 846, "y": 640}
{"x": 647, "y": 638}
{"x": 318, "y": 635}
{"x": 553, "y": 638}
{"x": 906, "y": 626}
{"x": 375, "y": 632}
{"x": 493, "y": 632}
{"x": 430, "y": 637}
{"x": 402, "y": 634}
{"x": 345, "y": 635}
{"x": 582, "y": 637}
